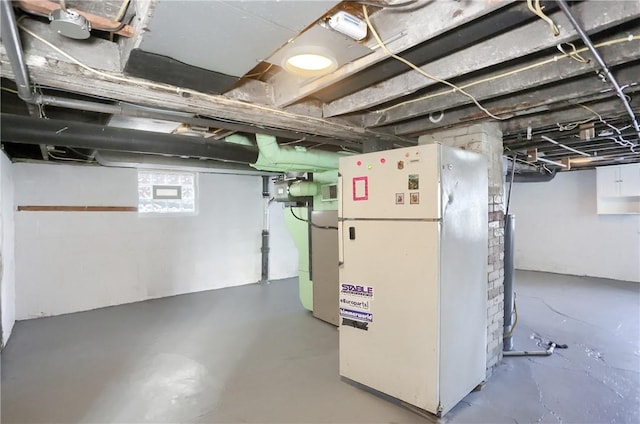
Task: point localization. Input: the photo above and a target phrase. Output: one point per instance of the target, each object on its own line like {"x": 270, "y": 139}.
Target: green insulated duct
{"x": 324, "y": 166}
{"x": 272, "y": 157}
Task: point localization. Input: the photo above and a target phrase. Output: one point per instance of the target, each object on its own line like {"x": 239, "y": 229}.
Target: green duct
{"x": 324, "y": 166}
{"x": 303, "y": 189}
{"x": 273, "y": 157}
{"x": 238, "y": 139}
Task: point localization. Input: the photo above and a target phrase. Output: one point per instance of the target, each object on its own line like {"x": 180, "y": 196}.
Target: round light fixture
{"x": 310, "y": 61}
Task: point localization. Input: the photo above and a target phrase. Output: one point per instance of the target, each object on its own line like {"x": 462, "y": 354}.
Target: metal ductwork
{"x": 534, "y": 177}
{"x": 144, "y": 161}
{"x": 25, "y": 130}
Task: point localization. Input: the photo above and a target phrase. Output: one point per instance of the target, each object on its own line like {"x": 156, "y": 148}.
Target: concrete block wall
{"x": 75, "y": 261}
{"x": 486, "y": 138}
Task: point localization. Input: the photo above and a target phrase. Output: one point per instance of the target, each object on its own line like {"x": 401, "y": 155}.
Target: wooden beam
{"x": 574, "y": 114}
{"x": 72, "y": 77}
{"x": 595, "y": 16}
{"x": 77, "y": 209}
{"x": 100, "y": 23}
{"x": 546, "y": 98}
{"x": 401, "y": 31}
{"x": 555, "y": 71}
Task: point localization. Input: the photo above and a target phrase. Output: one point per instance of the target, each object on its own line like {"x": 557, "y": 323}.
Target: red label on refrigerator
{"x": 360, "y": 188}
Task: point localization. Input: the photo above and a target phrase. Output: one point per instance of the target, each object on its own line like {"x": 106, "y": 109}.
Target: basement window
{"x": 167, "y": 193}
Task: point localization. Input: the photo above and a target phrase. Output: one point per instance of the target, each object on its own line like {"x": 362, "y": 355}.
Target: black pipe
{"x": 534, "y": 177}
{"x": 265, "y": 232}
{"x": 265, "y": 257}
{"x": 509, "y": 270}
{"x": 25, "y": 130}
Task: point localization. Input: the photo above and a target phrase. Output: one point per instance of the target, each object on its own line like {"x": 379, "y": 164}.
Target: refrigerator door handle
{"x": 340, "y": 244}
{"x": 340, "y": 226}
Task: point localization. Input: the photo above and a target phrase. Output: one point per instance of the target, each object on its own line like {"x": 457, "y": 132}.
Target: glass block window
{"x": 164, "y": 193}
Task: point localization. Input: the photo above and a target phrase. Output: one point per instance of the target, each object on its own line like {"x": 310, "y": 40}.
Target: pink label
{"x": 360, "y": 188}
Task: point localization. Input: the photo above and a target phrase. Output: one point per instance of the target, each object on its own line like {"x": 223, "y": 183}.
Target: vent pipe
{"x": 25, "y": 130}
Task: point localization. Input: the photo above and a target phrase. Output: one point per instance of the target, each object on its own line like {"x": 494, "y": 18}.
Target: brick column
{"x": 486, "y": 138}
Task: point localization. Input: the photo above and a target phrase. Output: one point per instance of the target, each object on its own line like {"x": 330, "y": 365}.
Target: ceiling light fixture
{"x": 310, "y": 61}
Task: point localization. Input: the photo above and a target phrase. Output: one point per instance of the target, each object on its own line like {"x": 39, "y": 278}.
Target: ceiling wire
{"x": 619, "y": 139}
{"x": 383, "y": 4}
{"x": 9, "y": 90}
{"x": 178, "y": 90}
{"x": 422, "y": 72}
{"x": 553, "y": 59}
{"x": 68, "y": 159}
{"x": 120, "y": 15}
{"x": 259, "y": 74}
{"x": 537, "y": 9}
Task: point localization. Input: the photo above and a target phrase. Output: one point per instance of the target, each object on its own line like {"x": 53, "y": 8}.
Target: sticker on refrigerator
{"x": 355, "y": 303}
{"x": 414, "y": 182}
{"x": 356, "y": 315}
{"x": 399, "y": 198}
{"x": 414, "y": 198}
{"x": 356, "y": 290}
{"x": 360, "y": 187}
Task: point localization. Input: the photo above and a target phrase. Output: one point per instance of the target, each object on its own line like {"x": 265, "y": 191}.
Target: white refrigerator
{"x": 413, "y": 229}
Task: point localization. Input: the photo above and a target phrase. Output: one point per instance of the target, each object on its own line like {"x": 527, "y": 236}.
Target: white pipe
{"x": 547, "y": 352}
{"x": 550, "y": 162}
{"x": 571, "y": 149}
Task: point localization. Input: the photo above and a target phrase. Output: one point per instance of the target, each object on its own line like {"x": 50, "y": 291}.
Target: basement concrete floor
{"x": 252, "y": 354}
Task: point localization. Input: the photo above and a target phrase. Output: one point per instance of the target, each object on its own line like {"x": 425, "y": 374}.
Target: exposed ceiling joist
{"x": 402, "y": 29}
{"x": 607, "y": 109}
{"x": 533, "y": 75}
{"x": 520, "y": 42}
{"x": 62, "y": 75}
{"x": 547, "y": 98}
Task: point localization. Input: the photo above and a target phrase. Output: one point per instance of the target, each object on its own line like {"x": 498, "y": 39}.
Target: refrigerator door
{"x": 389, "y": 307}
{"x": 392, "y": 184}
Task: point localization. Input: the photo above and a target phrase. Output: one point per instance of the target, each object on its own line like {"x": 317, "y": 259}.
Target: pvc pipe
{"x": 587, "y": 41}
{"x": 547, "y": 352}
{"x": 551, "y": 162}
{"x": 571, "y": 149}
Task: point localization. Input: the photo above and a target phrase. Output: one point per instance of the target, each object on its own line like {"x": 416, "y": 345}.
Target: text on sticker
{"x": 358, "y": 290}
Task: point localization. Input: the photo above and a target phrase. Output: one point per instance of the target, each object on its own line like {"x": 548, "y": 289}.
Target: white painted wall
{"x": 283, "y": 256}
{"x": 558, "y": 230}
{"x": 7, "y": 256}
{"x": 74, "y": 261}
